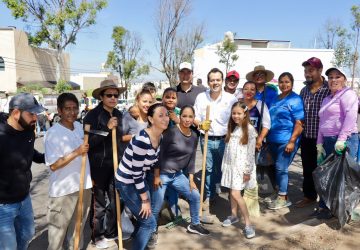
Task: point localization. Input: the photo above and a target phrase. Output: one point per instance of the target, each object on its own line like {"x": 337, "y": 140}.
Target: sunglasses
{"x": 111, "y": 95}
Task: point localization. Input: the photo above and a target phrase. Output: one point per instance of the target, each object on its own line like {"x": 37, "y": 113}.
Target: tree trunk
{"x": 58, "y": 64}
{"x": 356, "y": 58}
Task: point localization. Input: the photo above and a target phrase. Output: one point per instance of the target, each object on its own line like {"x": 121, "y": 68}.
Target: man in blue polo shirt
{"x": 260, "y": 76}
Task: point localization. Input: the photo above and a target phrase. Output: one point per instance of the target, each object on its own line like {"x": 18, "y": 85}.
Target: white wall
{"x": 7, "y": 50}
{"x": 276, "y": 60}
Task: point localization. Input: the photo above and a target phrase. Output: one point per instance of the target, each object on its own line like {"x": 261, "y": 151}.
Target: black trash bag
{"x": 337, "y": 181}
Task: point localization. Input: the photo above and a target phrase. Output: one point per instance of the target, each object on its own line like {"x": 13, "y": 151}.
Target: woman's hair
{"x": 288, "y": 75}
{"x": 244, "y": 124}
{"x": 170, "y": 89}
{"x": 187, "y": 107}
{"x": 249, "y": 82}
{"x": 152, "y": 109}
{"x": 141, "y": 93}
{"x": 64, "y": 97}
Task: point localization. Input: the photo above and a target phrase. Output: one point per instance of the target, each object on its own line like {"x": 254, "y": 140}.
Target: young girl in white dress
{"x": 238, "y": 165}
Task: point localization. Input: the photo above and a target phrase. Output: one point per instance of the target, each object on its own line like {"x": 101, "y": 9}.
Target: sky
{"x": 293, "y": 20}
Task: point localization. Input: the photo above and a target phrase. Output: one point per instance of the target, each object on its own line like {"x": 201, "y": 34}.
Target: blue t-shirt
{"x": 270, "y": 97}
{"x": 283, "y": 113}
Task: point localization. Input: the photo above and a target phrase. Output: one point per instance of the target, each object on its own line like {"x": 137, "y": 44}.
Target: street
{"x": 288, "y": 228}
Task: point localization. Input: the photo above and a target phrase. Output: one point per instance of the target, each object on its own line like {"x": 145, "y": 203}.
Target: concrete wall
{"x": 7, "y": 50}
{"x": 277, "y": 60}
{"x": 90, "y": 80}
{"x": 24, "y": 63}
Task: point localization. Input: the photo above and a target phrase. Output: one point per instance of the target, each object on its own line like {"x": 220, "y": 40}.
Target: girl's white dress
{"x": 239, "y": 159}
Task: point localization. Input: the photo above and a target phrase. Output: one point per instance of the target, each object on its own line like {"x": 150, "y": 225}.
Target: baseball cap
{"x": 313, "y": 61}
{"x": 331, "y": 69}
{"x": 26, "y": 102}
{"x": 185, "y": 65}
{"x": 233, "y": 73}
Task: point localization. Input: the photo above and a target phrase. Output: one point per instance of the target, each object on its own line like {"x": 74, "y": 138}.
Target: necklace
{"x": 188, "y": 134}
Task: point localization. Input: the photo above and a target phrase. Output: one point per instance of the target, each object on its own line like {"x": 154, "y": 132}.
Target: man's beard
{"x": 309, "y": 82}
{"x": 25, "y": 125}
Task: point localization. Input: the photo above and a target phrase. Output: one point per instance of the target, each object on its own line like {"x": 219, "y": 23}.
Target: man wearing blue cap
{"x": 17, "y": 153}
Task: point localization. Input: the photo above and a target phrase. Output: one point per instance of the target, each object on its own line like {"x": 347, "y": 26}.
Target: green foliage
{"x": 227, "y": 52}
{"x": 62, "y": 86}
{"x": 30, "y": 88}
{"x": 124, "y": 58}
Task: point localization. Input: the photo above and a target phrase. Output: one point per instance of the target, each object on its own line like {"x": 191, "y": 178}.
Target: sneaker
{"x": 271, "y": 198}
{"x": 152, "y": 241}
{"x": 102, "y": 244}
{"x": 230, "y": 220}
{"x": 324, "y": 214}
{"x": 279, "y": 203}
{"x": 111, "y": 238}
{"x": 197, "y": 229}
{"x": 249, "y": 232}
{"x": 218, "y": 188}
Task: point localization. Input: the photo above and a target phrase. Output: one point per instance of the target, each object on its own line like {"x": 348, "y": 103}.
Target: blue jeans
{"x": 180, "y": 183}
{"x": 215, "y": 153}
{"x": 16, "y": 225}
{"x": 282, "y": 162}
{"x": 144, "y": 227}
{"x": 352, "y": 144}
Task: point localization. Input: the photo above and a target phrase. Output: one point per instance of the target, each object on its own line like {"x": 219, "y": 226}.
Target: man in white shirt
{"x": 63, "y": 150}
{"x": 220, "y": 103}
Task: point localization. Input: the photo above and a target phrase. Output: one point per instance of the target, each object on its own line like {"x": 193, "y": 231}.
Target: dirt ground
{"x": 288, "y": 228}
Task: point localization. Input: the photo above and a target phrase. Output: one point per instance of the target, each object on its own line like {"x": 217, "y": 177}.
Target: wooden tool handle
{"x": 81, "y": 191}
{"x": 204, "y": 162}
{"x": 117, "y": 195}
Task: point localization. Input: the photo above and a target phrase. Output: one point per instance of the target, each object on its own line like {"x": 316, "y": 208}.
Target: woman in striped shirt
{"x": 140, "y": 156}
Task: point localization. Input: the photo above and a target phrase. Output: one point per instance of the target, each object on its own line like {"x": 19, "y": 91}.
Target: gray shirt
{"x": 177, "y": 151}
{"x": 132, "y": 126}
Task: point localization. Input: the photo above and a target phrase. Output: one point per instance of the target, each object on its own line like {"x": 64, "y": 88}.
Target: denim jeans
{"x": 215, "y": 153}
{"x": 352, "y": 144}
{"x": 144, "y": 227}
{"x": 16, "y": 225}
{"x": 282, "y": 162}
{"x": 180, "y": 183}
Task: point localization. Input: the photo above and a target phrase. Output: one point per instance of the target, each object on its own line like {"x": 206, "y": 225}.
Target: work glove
{"x": 205, "y": 125}
{"x": 340, "y": 146}
{"x": 320, "y": 153}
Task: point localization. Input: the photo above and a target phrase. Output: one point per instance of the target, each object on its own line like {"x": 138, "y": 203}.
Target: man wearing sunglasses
{"x": 17, "y": 153}
{"x": 104, "y": 118}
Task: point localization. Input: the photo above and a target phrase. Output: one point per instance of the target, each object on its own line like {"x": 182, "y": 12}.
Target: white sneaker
{"x": 102, "y": 244}
{"x": 218, "y": 188}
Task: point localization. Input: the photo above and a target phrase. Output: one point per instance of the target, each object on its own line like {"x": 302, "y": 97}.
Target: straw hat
{"x": 107, "y": 84}
{"x": 269, "y": 73}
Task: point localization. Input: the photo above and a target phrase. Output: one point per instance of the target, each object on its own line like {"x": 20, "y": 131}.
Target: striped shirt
{"x": 312, "y": 104}
{"x": 138, "y": 158}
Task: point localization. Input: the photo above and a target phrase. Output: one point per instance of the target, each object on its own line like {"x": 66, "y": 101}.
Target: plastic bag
{"x": 127, "y": 227}
{"x": 337, "y": 181}
{"x": 263, "y": 157}
{"x": 251, "y": 198}
{"x": 265, "y": 177}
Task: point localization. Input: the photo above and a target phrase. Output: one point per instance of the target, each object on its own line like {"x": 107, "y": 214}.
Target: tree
{"x": 355, "y": 11}
{"x": 227, "y": 51}
{"x": 125, "y": 56}
{"x": 58, "y": 21}
{"x": 62, "y": 86}
{"x": 175, "y": 45}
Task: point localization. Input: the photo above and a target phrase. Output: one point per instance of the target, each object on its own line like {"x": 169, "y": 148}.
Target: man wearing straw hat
{"x": 63, "y": 150}
{"x": 17, "y": 153}
{"x": 104, "y": 117}
{"x": 260, "y": 76}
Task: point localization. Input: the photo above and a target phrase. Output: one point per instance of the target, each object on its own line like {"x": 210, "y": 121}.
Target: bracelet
{"x": 144, "y": 201}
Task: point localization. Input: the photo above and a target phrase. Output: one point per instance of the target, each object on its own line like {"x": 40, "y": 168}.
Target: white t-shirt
{"x": 220, "y": 111}
{"x": 61, "y": 141}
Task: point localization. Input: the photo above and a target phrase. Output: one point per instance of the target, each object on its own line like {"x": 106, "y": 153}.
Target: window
{"x": 2, "y": 64}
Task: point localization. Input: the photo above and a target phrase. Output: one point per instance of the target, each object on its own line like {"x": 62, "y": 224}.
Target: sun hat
{"x": 107, "y": 84}
{"x": 269, "y": 73}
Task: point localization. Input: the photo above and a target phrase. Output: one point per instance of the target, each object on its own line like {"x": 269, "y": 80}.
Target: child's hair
{"x": 149, "y": 86}
{"x": 244, "y": 124}
{"x": 170, "y": 89}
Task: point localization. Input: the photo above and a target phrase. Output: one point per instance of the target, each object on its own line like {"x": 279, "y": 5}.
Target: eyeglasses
{"x": 111, "y": 95}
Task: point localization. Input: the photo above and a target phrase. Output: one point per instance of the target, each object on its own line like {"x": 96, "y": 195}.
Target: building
{"x": 90, "y": 81}
{"x": 275, "y": 55}
{"x": 22, "y": 64}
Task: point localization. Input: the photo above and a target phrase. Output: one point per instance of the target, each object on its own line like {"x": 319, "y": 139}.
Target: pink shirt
{"x": 338, "y": 115}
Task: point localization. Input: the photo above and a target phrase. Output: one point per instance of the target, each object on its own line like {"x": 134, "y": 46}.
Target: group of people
{"x": 157, "y": 142}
